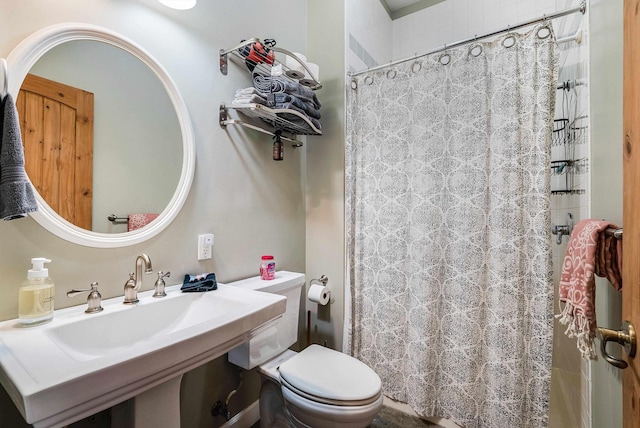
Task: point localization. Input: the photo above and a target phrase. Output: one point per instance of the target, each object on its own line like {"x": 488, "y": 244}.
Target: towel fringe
{"x": 578, "y": 327}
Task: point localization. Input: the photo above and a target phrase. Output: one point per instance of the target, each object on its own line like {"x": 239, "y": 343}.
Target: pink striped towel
{"x": 590, "y": 251}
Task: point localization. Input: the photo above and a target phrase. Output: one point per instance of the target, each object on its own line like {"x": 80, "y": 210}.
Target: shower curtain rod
{"x": 582, "y": 9}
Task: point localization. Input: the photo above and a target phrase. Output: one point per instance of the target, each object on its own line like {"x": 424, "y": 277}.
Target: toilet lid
{"x": 330, "y": 375}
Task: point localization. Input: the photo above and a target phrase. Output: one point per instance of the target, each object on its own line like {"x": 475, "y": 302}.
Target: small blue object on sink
{"x": 202, "y": 282}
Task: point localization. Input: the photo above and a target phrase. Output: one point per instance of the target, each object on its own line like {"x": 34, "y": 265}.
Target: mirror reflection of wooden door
{"x": 631, "y": 205}
{"x": 57, "y": 133}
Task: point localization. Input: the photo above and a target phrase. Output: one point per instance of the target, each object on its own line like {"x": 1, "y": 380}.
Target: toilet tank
{"x": 276, "y": 337}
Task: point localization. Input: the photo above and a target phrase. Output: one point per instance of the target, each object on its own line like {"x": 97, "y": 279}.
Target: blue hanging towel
{"x": 16, "y": 194}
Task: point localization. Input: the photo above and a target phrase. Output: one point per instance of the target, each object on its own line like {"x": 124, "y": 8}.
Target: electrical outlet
{"x": 205, "y": 246}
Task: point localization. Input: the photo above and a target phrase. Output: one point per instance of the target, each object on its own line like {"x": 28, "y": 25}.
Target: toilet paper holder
{"x": 322, "y": 280}
{"x": 319, "y": 292}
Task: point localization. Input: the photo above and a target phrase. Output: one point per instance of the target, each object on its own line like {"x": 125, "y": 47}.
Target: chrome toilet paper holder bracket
{"x": 322, "y": 280}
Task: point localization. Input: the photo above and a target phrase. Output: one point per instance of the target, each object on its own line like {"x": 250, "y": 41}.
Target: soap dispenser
{"x": 36, "y": 294}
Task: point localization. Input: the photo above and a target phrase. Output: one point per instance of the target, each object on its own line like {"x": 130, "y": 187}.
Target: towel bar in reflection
{"x": 117, "y": 219}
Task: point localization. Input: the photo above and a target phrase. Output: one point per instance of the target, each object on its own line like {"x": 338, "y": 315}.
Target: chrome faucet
{"x": 134, "y": 283}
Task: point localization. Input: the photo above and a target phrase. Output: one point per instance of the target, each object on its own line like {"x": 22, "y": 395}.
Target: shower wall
{"x": 366, "y": 48}
{"x": 571, "y": 378}
{"x": 454, "y": 20}
{"x": 605, "y": 93}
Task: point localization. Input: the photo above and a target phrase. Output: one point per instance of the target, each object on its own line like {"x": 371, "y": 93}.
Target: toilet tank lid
{"x": 325, "y": 373}
{"x": 284, "y": 280}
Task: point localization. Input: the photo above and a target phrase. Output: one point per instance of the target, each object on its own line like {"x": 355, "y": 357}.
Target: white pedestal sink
{"x": 79, "y": 364}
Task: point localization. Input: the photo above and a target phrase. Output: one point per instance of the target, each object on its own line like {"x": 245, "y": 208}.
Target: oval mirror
{"x": 139, "y": 163}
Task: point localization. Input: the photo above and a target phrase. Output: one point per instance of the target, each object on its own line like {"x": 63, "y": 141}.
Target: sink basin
{"x": 79, "y": 364}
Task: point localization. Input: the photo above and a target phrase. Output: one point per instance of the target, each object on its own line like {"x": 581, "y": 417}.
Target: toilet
{"x": 317, "y": 387}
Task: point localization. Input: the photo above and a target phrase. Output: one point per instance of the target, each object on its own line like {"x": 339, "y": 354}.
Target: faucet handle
{"x": 159, "y": 285}
{"x": 131, "y": 282}
{"x": 94, "y": 299}
{"x": 130, "y": 291}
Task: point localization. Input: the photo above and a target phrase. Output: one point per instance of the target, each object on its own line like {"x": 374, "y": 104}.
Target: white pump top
{"x": 38, "y": 271}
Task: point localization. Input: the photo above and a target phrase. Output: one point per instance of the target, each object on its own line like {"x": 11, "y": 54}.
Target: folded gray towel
{"x": 297, "y": 120}
{"x": 16, "y": 194}
{"x": 276, "y": 100}
{"x": 288, "y": 99}
{"x": 273, "y": 84}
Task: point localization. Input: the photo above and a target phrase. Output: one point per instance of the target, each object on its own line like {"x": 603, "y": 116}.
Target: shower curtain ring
{"x": 475, "y": 49}
{"x": 445, "y": 58}
{"x": 545, "y": 29}
{"x": 510, "y": 40}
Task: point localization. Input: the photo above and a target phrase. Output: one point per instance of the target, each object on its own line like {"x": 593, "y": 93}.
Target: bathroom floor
{"x": 392, "y": 418}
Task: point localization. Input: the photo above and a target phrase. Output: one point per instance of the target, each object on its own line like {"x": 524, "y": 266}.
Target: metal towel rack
{"x": 115, "y": 218}
{"x": 617, "y": 233}
{"x": 566, "y": 229}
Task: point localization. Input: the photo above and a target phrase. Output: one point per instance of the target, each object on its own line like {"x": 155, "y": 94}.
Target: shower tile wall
{"x": 455, "y": 20}
{"x": 366, "y": 48}
{"x": 571, "y": 373}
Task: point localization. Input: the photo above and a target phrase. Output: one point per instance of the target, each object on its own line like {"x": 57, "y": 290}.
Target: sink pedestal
{"x": 158, "y": 407}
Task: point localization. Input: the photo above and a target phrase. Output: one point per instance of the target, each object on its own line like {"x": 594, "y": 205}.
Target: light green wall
{"x": 252, "y": 204}
{"x": 606, "y": 42}
{"x": 325, "y": 169}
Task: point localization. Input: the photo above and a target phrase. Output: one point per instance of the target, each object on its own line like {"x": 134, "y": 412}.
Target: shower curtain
{"x": 448, "y": 218}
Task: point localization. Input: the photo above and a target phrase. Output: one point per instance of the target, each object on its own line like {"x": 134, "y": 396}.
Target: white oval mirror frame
{"x": 21, "y": 60}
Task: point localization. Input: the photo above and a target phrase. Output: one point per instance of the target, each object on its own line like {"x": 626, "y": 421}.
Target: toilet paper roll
{"x": 295, "y": 70}
{"x": 315, "y": 70}
{"x": 308, "y": 79}
{"x": 319, "y": 294}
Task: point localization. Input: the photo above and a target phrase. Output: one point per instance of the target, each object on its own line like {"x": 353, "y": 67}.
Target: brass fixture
{"x": 134, "y": 283}
{"x": 626, "y": 337}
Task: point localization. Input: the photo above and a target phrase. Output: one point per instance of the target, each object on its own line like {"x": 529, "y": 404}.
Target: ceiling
{"x": 399, "y": 8}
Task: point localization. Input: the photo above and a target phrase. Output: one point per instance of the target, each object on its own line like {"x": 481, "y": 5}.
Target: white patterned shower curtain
{"x": 448, "y": 219}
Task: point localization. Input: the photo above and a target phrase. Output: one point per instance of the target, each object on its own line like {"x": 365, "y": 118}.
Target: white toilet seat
{"x": 310, "y": 413}
{"x": 327, "y": 401}
{"x": 330, "y": 377}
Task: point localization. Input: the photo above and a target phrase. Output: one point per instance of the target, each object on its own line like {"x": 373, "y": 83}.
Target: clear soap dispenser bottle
{"x": 36, "y": 294}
